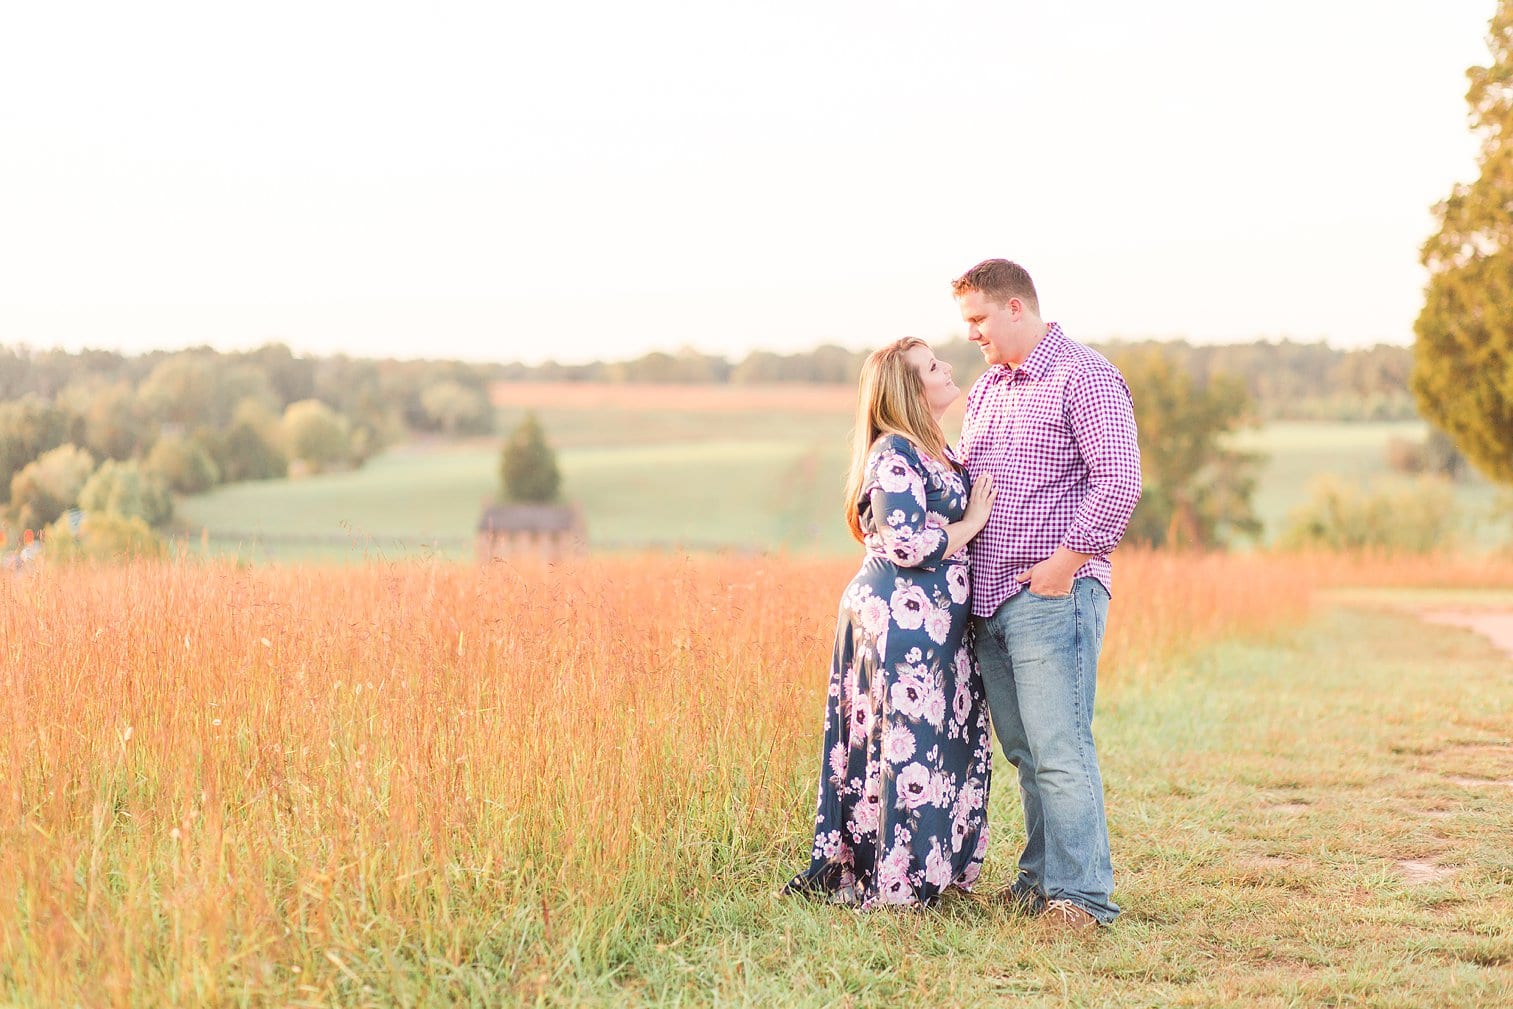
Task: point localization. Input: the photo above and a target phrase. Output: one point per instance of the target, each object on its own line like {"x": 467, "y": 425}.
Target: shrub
{"x": 1436, "y": 454}
{"x": 124, "y": 489}
{"x": 1340, "y": 516}
{"x": 102, "y": 536}
{"x": 1405, "y": 456}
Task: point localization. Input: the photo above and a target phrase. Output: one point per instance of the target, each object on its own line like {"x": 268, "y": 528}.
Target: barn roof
{"x": 533, "y": 518}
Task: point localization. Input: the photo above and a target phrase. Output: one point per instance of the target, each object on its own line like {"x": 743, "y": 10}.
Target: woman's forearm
{"x": 959, "y": 534}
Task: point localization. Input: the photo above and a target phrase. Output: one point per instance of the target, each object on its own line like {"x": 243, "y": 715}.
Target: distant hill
{"x": 1286, "y": 380}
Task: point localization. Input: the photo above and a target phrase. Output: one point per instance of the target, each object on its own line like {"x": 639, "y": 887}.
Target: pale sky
{"x": 510, "y": 181}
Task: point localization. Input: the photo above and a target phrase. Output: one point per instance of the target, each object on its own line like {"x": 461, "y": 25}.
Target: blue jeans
{"x": 1039, "y": 661}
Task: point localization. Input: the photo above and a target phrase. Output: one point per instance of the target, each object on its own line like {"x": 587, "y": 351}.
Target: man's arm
{"x": 1102, "y": 418}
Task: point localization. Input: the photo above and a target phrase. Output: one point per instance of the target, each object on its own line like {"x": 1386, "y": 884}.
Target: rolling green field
{"x": 665, "y": 478}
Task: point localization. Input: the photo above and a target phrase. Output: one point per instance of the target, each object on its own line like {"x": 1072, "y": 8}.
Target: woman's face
{"x": 940, "y": 391}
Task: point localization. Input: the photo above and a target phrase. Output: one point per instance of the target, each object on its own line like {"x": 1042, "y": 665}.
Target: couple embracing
{"x": 982, "y": 599}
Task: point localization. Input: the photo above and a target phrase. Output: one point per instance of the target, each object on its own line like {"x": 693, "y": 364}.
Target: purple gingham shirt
{"x": 1058, "y": 435}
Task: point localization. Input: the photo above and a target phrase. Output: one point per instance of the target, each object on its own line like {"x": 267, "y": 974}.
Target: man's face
{"x": 990, "y": 325}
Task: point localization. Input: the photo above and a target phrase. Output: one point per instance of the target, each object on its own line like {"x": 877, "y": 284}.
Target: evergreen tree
{"x": 528, "y": 466}
{"x": 1463, "y": 357}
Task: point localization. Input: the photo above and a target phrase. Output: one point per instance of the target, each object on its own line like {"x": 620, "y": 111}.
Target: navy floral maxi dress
{"x": 902, "y": 809}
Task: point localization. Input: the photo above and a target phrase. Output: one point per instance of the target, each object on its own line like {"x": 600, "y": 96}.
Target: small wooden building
{"x": 530, "y": 530}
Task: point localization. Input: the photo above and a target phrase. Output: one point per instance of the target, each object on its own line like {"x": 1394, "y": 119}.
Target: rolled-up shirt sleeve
{"x": 895, "y": 490}
{"x": 1102, "y": 417}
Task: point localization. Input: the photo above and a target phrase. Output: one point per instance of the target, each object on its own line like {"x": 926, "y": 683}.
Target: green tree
{"x": 528, "y": 466}
{"x": 49, "y": 485}
{"x": 456, "y": 408}
{"x": 183, "y": 464}
{"x": 1463, "y": 357}
{"x": 29, "y": 427}
{"x": 252, "y": 447}
{"x": 115, "y": 423}
{"x": 201, "y": 389}
{"x": 291, "y": 378}
{"x": 315, "y": 433}
{"x": 122, "y": 488}
{"x": 1197, "y": 489}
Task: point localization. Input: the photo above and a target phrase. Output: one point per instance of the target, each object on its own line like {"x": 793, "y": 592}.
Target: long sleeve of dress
{"x": 895, "y": 490}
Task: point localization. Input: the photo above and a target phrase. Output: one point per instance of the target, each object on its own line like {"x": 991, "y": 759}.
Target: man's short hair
{"x": 999, "y": 280}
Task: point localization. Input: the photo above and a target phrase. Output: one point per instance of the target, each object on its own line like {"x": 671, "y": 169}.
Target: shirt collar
{"x": 1041, "y": 358}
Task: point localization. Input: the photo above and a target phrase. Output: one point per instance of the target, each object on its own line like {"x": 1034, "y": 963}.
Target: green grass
{"x": 702, "y": 494}
{"x": 1264, "y": 798}
{"x": 666, "y": 478}
{"x": 1261, "y": 800}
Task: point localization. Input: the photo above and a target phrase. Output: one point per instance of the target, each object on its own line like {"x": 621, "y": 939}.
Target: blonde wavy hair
{"x": 890, "y": 400}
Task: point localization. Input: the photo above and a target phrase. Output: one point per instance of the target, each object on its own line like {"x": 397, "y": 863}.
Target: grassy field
{"x": 747, "y": 469}
{"x": 436, "y": 785}
{"x": 1298, "y": 453}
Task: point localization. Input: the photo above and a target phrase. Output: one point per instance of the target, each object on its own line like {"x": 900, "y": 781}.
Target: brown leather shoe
{"x": 1066, "y": 917}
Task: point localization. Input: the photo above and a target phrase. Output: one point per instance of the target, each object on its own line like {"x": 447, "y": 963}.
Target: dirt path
{"x": 1495, "y": 625}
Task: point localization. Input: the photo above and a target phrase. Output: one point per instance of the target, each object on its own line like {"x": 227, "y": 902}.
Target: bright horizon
{"x": 508, "y": 183}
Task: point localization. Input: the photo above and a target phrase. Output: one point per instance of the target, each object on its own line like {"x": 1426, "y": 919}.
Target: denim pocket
{"x": 1050, "y": 599}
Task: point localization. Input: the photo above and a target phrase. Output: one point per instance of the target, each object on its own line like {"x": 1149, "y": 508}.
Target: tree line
{"x": 1285, "y": 380}
{"x": 95, "y": 444}
{"x": 95, "y": 434}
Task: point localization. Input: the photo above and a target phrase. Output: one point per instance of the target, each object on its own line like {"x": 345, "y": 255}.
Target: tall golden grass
{"x": 222, "y": 784}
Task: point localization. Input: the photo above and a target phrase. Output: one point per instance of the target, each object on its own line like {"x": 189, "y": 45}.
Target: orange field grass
{"x": 220, "y": 784}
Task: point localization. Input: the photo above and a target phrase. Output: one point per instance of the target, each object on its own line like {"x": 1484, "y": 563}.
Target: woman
{"x": 904, "y": 771}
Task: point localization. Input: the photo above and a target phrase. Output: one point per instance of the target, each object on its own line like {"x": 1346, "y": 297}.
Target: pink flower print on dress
{"x": 894, "y": 473}
{"x": 961, "y": 704}
{"x": 898, "y": 744}
{"x": 838, "y": 761}
{"x": 893, "y": 885}
{"x": 935, "y": 704}
{"x": 913, "y": 786}
{"x": 958, "y": 583}
{"x": 864, "y": 817}
{"x": 938, "y": 624}
{"x": 910, "y": 692}
{"x": 959, "y": 825}
{"x": 828, "y": 845}
{"x": 901, "y": 799}
{"x": 939, "y": 792}
{"x": 873, "y": 614}
{"x": 909, "y": 605}
{"x": 972, "y": 795}
{"x": 937, "y": 866}
{"x": 863, "y": 716}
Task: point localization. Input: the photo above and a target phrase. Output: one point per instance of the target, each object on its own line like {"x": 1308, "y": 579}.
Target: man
{"x": 1053, "y": 423}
